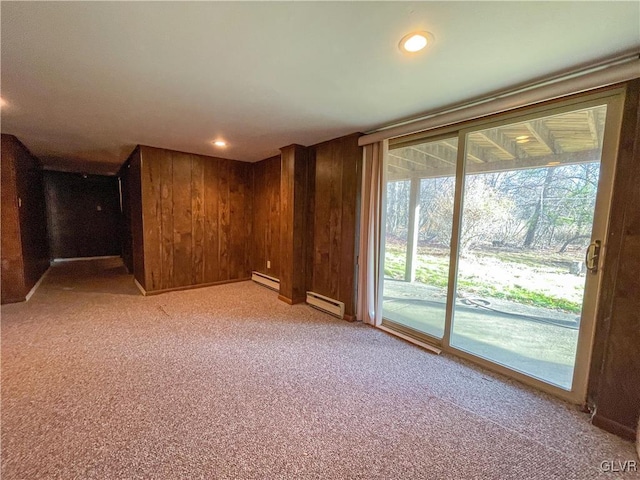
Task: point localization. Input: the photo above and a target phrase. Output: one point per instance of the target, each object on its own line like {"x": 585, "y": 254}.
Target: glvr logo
{"x": 619, "y": 466}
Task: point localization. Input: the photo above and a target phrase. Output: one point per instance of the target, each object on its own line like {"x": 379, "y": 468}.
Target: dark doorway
{"x": 83, "y": 215}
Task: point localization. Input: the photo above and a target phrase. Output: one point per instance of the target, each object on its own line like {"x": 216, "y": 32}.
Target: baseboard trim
{"x": 7, "y": 301}
{"x": 290, "y": 301}
{"x": 80, "y": 259}
{"x": 35, "y": 287}
{"x": 409, "y": 339}
{"x": 349, "y": 318}
{"x": 286, "y": 300}
{"x": 614, "y": 427}
{"x": 147, "y": 293}
{"x": 140, "y": 287}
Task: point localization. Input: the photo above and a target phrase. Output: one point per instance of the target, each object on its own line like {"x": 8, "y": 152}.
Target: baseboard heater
{"x": 326, "y": 304}
{"x": 266, "y": 280}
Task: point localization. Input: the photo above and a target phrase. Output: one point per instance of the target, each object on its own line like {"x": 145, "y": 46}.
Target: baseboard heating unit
{"x": 266, "y": 280}
{"x": 326, "y": 304}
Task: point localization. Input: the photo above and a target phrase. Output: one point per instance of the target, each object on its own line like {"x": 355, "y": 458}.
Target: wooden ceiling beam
{"x": 440, "y": 156}
{"x": 474, "y": 152}
{"x": 538, "y": 129}
{"x": 499, "y": 141}
{"x": 427, "y": 154}
{"x": 591, "y": 121}
{"x": 401, "y": 162}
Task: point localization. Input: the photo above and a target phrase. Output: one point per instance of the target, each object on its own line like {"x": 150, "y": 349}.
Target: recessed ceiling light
{"x": 220, "y": 143}
{"x": 415, "y": 41}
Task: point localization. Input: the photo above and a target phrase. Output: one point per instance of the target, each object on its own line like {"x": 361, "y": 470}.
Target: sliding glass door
{"x": 419, "y": 215}
{"x": 494, "y": 235}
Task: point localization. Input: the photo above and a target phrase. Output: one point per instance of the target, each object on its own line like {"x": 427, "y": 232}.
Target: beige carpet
{"x": 228, "y": 382}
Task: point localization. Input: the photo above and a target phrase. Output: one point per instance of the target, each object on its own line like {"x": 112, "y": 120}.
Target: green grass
{"x": 533, "y": 259}
{"x": 436, "y": 277}
{"x": 394, "y": 265}
{"x": 434, "y": 271}
{"x": 520, "y": 295}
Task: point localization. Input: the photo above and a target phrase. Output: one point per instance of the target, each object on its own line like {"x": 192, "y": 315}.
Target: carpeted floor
{"x": 228, "y": 382}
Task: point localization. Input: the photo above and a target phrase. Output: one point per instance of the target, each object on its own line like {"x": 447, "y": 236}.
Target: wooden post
{"x": 293, "y": 203}
{"x": 413, "y": 230}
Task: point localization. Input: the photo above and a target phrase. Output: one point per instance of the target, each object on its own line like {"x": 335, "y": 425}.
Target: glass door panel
{"x": 420, "y": 192}
{"x": 526, "y": 220}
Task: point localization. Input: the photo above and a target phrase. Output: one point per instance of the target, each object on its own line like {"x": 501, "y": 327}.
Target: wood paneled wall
{"x": 196, "y": 218}
{"x": 83, "y": 215}
{"x": 335, "y": 212}
{"x": 318, "y": 215}
{"x": 25, "y": 255}
{"x": 614, "y": 385}
{"x": 265, "y": 244}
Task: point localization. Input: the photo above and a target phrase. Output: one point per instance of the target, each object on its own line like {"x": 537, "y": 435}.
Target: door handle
{"x": 592, "y": 257}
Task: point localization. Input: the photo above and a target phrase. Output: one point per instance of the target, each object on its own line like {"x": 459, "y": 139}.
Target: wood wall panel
{"x": 211, "y": 220}
{"x": 265, "y": 244}
{"x": 260, "y": 218}
{"x": 33, "y": 218}
{"x": 350, "y": 215}
{"x": 337, "y": 163}
{"x": 237, "y": 218}
{"x": 310, "y": 230}
{"x": 223, "y": 219}
{"x": 335, "y": 219}
{"x": 197, "y": 219}
{"x": 152, "y": 179}
{"x": 13, "y": 287}
{"x": 25, "y": 252}
{"x": 614, "y": 385}
{"x": 182, "y": 223}
{"x": 83, "y": 215}
{"x": 244, "y": 207}
{"x": 166, "y": 218}
{"x": 135, "y": 208}
{"x": 124, "y": 176}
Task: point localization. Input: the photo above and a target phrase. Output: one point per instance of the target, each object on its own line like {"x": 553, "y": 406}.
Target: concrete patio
{"x": 536, "y": 341}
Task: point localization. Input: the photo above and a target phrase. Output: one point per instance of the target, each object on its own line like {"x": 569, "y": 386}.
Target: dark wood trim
{"x": 285, "y": 299}
{"x": 14, "y": 299}
{"x": 614, "y": 380}
{"x": 614, "y": 427}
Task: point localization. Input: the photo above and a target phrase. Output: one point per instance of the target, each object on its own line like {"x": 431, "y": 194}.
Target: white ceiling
{"x": 85, "y": 82}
